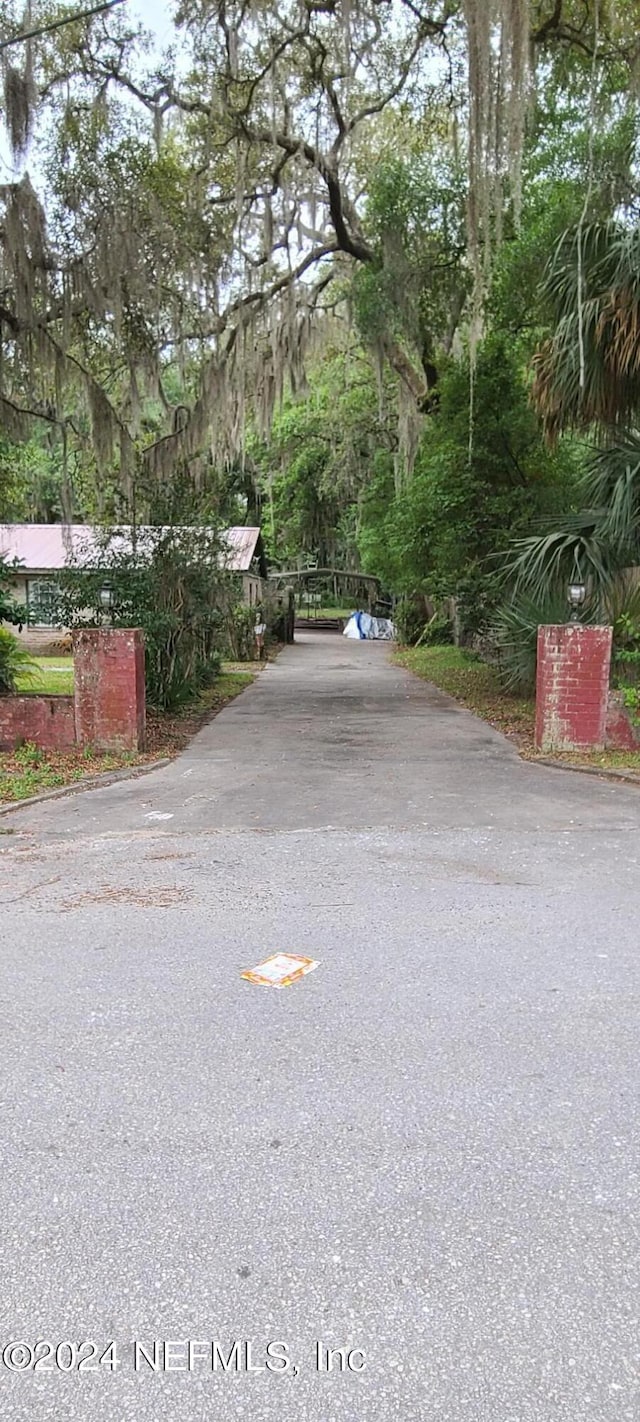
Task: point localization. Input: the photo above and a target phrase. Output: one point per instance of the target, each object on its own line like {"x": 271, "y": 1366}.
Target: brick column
{"x": 572, "y": 687}
{"x": 109, "y": 688}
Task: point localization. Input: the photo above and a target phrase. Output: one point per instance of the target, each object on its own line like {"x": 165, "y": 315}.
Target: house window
{"x": 41, "y": 600}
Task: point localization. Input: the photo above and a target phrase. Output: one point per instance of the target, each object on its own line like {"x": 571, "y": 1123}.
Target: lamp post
{"x": 576, "y": 596}
{"x": 106, "y": 602}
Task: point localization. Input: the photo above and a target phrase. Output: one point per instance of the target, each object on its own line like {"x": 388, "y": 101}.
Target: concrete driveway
{"x": 425, "y": 1152}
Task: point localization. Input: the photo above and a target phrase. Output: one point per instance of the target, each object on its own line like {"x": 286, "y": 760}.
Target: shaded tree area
{"x": 437, "y": 535}
{"x": 320, "y": 457}
{"x": 297, "y": 267}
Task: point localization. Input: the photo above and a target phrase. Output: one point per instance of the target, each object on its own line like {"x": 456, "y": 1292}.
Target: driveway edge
{"x": 603, "y": 772}
{"x": 91, "y": 782}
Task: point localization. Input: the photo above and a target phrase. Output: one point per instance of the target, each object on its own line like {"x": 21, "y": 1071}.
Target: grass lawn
{"x": 477, "y": 686}
{"x": 29, "y": 770}
{"x": 52, "y": 676}
{"x": 311, "y": 612}
{"x": 602, "y": 760}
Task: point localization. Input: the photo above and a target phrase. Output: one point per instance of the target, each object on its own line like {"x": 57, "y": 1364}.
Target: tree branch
{"x": 351, "y": 243}
{"x": 49, "y": 28}
{"x": 552, "y": 23}
{"x": 21, "y": 411}
{"x": 427, "y": 29}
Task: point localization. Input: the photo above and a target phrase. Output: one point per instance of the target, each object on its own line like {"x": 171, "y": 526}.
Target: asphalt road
{"x": 427, "y": 1149}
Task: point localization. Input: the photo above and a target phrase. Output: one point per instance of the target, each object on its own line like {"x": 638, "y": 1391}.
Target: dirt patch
{"x": 109, "y": 894}
{"x": 176, "y": 855}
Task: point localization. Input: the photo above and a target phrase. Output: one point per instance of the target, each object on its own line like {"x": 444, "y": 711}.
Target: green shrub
{"x": 14, "y": 662}
{"x": 438, "y": 632}
{"x": 239, "y": 634}
{"x": 171, "y": 586}
{"x": 29, "y": 755}
{"x": 623, "y": 611}
{"x": 631, "y": 699}
{"x": 514, "y": 636}
{"x": 10, "y": 610}
{"x": 411, "y": 621}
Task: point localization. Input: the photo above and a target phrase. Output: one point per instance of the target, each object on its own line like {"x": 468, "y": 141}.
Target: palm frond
{"x": 612, "y": 483}
{"x": 514, "y": 633}
{"x": 602, "y": 320}
{"x": 623, "y": 601}
{"x": 543, "y": 564}
{"x": 15, "y": 662}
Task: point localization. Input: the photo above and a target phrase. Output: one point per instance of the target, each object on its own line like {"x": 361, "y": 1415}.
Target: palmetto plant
{"x": 589, "y": 371}
{"x": 544, "y": 563}
{"x": 595, "y": 544}
{"x": 588, "y": 375}
{"x": 514, "y": 633}
{"x": 613, "y": 487}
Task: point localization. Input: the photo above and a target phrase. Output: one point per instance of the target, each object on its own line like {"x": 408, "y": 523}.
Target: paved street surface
{"x": 426, "y": 1149}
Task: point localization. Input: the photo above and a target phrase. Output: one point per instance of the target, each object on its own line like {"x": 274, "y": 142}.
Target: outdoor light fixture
{"x": 576, "y": 594}
{"x": 106, "y": 598}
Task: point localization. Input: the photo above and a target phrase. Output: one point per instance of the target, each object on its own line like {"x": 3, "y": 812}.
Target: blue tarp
{"x": 365, "y": 628}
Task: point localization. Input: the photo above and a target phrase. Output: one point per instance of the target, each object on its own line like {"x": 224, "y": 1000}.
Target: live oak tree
{"x": 204, "y": 213}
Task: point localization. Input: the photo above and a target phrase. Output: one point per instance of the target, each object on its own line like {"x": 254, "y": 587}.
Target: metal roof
{"x": 243, "y": 544}
{"x": 48, "y": 547}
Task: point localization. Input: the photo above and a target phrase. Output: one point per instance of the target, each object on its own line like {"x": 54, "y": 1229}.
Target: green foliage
{"x": 557, "y": 171}
{"x": 437, "y": 537}
{"x": 416, "y": 217}
{"x": 623, "y": 610}
{"x": 10, "y": 610}
{"x": 542, "y": 564}
{"x": 589, "y": 371}
{"x": 613, "y": 486}
{"x": 170, "y": 586}
{"x": 15, "y": 662}
{"x": 514, "y": 631}
{"x": 412, "y": 629}
{"x": 29, "y": 755}
{"x": 318, "y": 459}
{"x": 410, "y": 620}
{"x": 631, "y": 699}
{"x": 514, "y": 635}
{"x": 31, "y": 478}
{"x": 597, "y": 542}
{"x": 437, "y": 633}
{"x": 239, "y": 631}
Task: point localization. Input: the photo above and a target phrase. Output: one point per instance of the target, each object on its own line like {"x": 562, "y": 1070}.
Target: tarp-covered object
{"x": 362, "y": 627}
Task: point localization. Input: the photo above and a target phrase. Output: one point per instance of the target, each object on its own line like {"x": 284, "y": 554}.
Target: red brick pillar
{"x": 109, "y": 688}
{"x": 572, "y": 687}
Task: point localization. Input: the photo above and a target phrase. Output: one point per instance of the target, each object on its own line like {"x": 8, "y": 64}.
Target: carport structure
{"x": 363, "y": 588}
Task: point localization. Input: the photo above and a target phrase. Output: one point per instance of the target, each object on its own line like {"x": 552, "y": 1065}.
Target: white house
{"x": 43, "y": 549}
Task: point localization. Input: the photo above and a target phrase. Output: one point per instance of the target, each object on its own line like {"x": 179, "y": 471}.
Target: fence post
{"x": 572, "y": 687}
{"x": 109, "y": 688}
